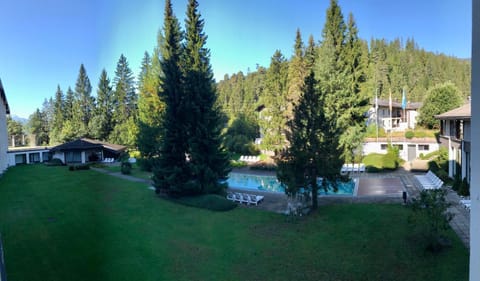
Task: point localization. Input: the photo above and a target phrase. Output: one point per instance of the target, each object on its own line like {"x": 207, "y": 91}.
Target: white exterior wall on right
{"x": 3, "y": 137}
{"x": 475, "y": 147}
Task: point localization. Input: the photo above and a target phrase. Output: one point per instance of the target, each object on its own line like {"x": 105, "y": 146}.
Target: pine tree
{"x": 272, "y": 120}
{"x": 68, "y": 107}
{"x": 171, "y": 173}
{"x": 354, "y": 104}
{"x": 125, "y": 105}
{"x": 101, "y": 124}
{"x": 58, "y": 116}
{"x": 208, "y": 160}
{"x": 124, "y": 95}
{"x": 151, "y": 109}
{"x": 297, "y": 72}
{"x": 311, "y": 153}
{"x": 83, "y": 104}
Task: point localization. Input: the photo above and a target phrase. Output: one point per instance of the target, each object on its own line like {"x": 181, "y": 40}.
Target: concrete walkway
{"x": 276, "y": 202}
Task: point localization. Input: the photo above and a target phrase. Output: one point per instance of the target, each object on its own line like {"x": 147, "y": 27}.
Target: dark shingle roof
{"x": 84, "y": 143}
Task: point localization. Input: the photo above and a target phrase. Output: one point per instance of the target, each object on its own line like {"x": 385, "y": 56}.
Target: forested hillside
{"x": 389, "y": 66}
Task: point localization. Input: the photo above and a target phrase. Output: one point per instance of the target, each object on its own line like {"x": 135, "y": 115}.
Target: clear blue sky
{"x": 43, "y": 43}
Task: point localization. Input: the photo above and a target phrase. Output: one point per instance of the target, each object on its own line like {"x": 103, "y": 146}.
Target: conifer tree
{"x": 101, "y": 123}
{"x": 297, "y": 73}
{"x": 69, "y": 100}
{"x": 208, "y": 163}
{"x": 171, "y": 173}
{"x": 151, "y": 109}
{"x": 125, "y": 105}
{"x": 272, "y": 120}
{"x": 83, "y": 104}
{"x": 311, "y": 153}
{"x": 58, "y": 116}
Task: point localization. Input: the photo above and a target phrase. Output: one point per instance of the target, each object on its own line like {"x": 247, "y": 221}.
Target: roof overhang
{"x": 4, "y": 98}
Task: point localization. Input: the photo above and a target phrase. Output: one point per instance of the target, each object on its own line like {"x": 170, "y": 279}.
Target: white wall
{"x": 376, "y": 147}
{"x": 475, "y": 147}
{"x": 3, "y": 137}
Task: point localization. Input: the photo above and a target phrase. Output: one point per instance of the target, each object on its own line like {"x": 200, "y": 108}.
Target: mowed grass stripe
{"x": 84, "y": 225}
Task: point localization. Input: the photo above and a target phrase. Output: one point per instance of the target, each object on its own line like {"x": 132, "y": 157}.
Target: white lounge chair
{"x": 255, "y": 199}
{"x": 231, "y": 196}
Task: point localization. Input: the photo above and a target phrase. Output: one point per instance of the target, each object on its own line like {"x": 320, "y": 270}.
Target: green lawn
{"x": 136, "y": 172}
{"x": 83, "y": 225}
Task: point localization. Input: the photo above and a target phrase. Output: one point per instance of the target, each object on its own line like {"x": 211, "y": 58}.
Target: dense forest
{"x": 394, "y": 66}
{"x": 120, "y": 112}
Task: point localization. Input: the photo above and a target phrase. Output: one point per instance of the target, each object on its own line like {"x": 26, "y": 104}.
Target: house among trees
{"x": 398, "y": 120}
{"x": 455, "y": 134}
{"x": 4, "y": 110}
{"x": 86, "y": 150}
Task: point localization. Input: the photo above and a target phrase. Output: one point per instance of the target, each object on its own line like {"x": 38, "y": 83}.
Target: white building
{"x": 397, "y": 119}
{"x": 475, "y": 138}
{"x": 409, "y": 149}
{"x": 455, "y": 135}
{"x": 4, "y": 110}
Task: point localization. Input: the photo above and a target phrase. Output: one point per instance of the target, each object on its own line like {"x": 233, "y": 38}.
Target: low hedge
{"x": 78, "y": 167}
{"x": 54, "y": 162}
{"x": 211, "y": 202}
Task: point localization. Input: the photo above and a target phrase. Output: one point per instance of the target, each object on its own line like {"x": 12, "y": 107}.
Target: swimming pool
{"x": 272, "y": 184}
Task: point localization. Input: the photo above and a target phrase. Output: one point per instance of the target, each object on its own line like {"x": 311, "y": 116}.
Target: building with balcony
{"x": 398, "y": 119}
{"x": 455, "y": 134}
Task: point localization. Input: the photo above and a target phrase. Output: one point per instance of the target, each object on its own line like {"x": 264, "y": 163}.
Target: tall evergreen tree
{"x": 151, "y": 109}
{"x": 58, "y": 116}
{"x": 297, "y": 72}
{"x": 171, "y": 172}
{"x": 311, "y": 154}
{"x": 272, "y": 120}
{"x": 125, "y": 105}
{"x": 355, "y": 102}
{"x": 84, "y": 103}
{"x": 124, "y": 86}
{"x": 69, "y": 101}
{"x": 101, "y": 124}
{"x": 209, "y": 162}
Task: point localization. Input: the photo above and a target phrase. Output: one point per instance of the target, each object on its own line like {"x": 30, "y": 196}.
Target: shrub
{"x": 211, "y": 202}
{"x": 373, "y": 169}
{"x": 442, "y": 174}
{"x": 145, "y": 164}
{"x": 464, "y": 188}
{"x": 54, "y": 162}
{"x": 79, "y": 167}
{"x": 262, "y": 166}
{"x": 409, "y": 134}
{"x": 430, "y": 219}
{"x": 126, "y": 168}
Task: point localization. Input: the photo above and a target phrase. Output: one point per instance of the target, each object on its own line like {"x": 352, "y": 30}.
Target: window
{"x": 34, "y": 157}
{"x": 47, "y": 156}
{"x": 383, "y": 146}
{"x": 73, "y": 156}
{"x": 399, "y": 146}
{"x": 423, "y": 147}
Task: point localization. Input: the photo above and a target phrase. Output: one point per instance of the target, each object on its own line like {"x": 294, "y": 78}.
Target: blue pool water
{"x": 271, "y": 183}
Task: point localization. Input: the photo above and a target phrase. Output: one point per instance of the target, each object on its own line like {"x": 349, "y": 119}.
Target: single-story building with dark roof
{"x": 86, "y": 150}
